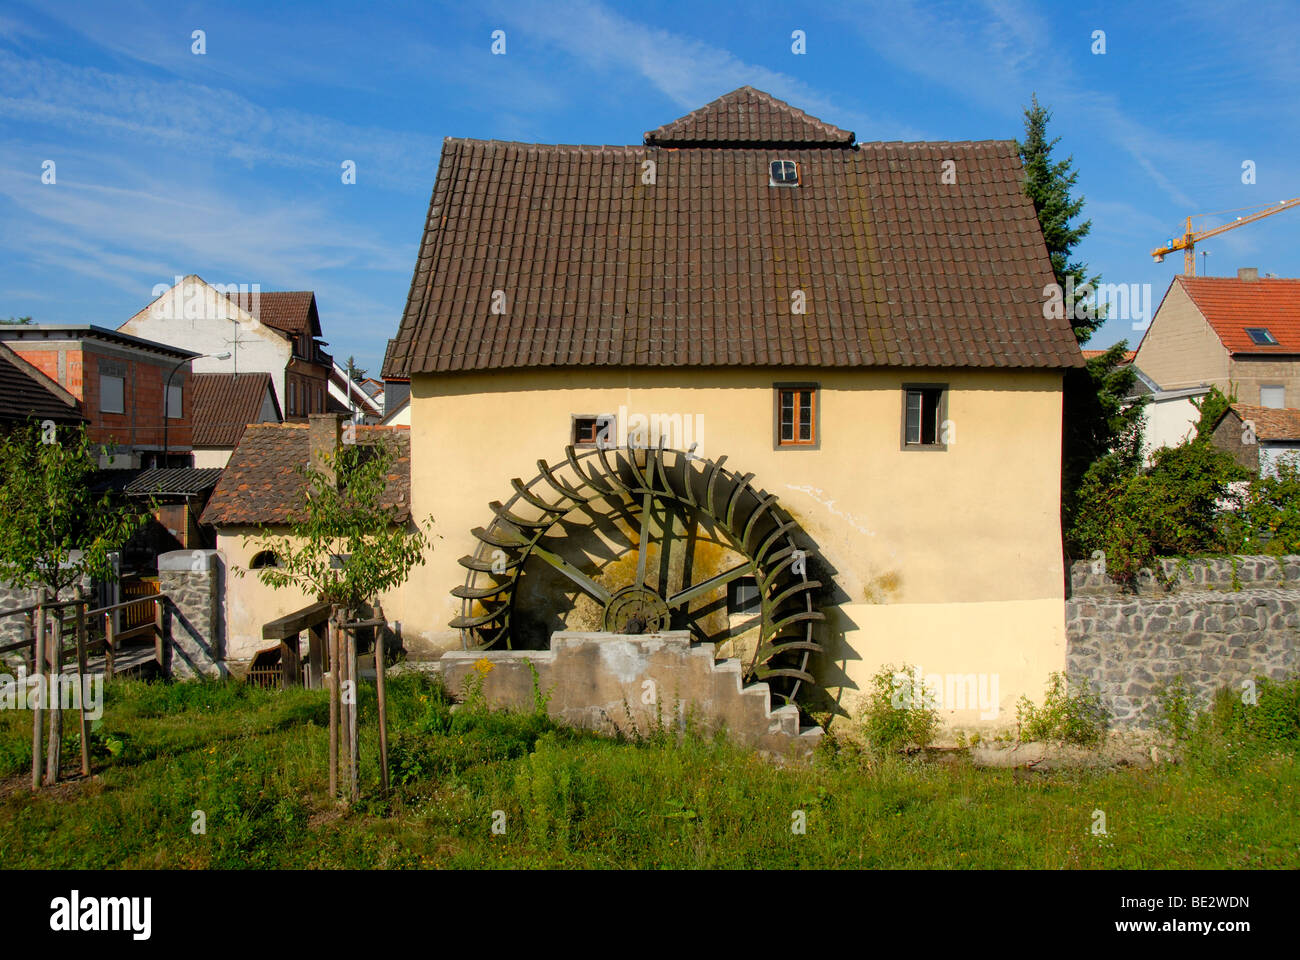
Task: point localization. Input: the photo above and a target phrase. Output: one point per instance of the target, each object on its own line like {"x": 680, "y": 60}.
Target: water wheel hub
{"x": 636, "y": 610}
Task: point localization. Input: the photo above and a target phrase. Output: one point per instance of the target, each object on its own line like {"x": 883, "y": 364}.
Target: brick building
{"x": 119, "y": 381}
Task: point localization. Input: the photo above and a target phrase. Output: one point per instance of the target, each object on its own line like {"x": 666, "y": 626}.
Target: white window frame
{"x": 174, "y": 390}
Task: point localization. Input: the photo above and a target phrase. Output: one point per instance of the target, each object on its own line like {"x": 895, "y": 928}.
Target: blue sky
{"x": 228, "y": 164}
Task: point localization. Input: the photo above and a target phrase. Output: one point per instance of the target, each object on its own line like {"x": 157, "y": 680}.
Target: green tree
{"x": 347, "y": 546}
{"x": 1101, "y": 421}
{"x": 17, "y": 321}
{"x": 53, "y": 530}
{"x": 1048, "y": 183}
{"x": 356, "y": 373}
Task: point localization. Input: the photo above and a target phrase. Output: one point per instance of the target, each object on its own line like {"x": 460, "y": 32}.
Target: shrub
{"x": 897, "y": 714}
{"x": 1175, "y": 714}
{"x": 1175, "y": 508}
{"x": 1071, "y": 717}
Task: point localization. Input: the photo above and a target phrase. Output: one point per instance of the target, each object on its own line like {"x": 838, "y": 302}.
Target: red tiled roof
{"x": 748, "y": 116}
{"x": 1128, "y": 355}
{"x": 263, "y": 482}
{"x": 896, "y": 267}
{"x": 1271, "y": 423}
{"x": 289, "y": 311}
{"x": 224, "y": 403}
{"x": 1230, "y": 305}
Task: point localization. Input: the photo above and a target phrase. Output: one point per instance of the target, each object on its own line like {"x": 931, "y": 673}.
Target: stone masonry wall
{"x": 193, "y": 580}
{"x": 1216, "y": 623}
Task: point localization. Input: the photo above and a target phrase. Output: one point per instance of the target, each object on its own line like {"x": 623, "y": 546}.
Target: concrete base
{"x": 633, "y": 684}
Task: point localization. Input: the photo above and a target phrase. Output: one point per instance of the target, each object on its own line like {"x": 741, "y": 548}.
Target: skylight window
{"x": 785, "y": 173}
{"x": 1261, "y": 337}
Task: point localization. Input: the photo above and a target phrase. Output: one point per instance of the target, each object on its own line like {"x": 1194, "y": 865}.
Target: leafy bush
{"x": 1071, "y": 717}
{"x": 1268, "y": 520}
{"x": 1174, "y": 508}
{"x": 897, "y": 714}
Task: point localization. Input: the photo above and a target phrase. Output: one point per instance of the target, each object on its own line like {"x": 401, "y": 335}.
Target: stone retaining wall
{"x": 1129, "y": 646}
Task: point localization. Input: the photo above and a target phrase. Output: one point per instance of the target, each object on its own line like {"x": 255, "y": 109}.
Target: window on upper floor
{"x": 796, "y": 415}
{"x": 925, "y": 410}
{"x": 1272, "y": 395}
{"x": 175, "y": 402}
{"x": 1261, "y": 336}
{"x": 112, "y": 393}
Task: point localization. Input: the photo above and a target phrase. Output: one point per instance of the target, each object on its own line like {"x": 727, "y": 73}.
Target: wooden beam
{"x": 296, "y": 622}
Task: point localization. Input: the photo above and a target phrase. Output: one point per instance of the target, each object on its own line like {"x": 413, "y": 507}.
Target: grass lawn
{"x": 255, "y": 763}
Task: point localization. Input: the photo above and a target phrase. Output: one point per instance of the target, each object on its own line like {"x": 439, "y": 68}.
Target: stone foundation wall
{"x": 1216, "y": 623}
{"x": 615, "y": 683}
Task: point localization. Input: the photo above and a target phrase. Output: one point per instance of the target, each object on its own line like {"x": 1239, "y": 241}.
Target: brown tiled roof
{"x": 700, "y": 268}
{"x": 262, "y": 483}
{"x": 1271, "y": 423}
{"x": 1231, "y": 305}
{"x": 289, "y": 311}
{"x": 26, "y": 392}
{"x": 748, "y": 116}
{"x": 224, "y": 403}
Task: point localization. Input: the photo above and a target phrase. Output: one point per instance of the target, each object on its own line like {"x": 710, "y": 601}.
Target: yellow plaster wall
{"x": 945, "y": 557}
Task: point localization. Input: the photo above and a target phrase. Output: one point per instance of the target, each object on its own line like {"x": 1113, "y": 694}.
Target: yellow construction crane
{"x": 1187, "y": 242}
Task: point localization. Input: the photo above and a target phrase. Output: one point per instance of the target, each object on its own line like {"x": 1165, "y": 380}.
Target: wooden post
{"x": 382, "y": 699}
{"x": 38, "y": 712}
{"x": 108, "y": 647}
{"x": 29, "y": 634}
{"x": 334, "y": 705}
{"x": 289, "y": 661}
{"x": 354, "y": 747}
{"x": 316, "y": 640}
{"x": 54, "y": 752}
{"x": 82, "y": 679}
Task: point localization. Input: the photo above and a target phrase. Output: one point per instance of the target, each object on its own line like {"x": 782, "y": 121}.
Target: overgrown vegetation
{"x": 897, "y": 713}
{"x": 1067, "y": 715}
{"x": 1193, "y": 499}
{"x": 253, "y": 763}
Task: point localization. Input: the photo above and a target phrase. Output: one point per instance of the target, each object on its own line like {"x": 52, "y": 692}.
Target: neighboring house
{"x": 119, "y": 381}
{"x": 1240, "y": 334}
{"x": 26, "y": 394}
{"x": 1170, "y": 417}
{"x": 272, "y": 332}
{"x": 397, "y": 394}
{"x": 352, "y": 396}
{"x": 224, "y": 404}
{"x": 179, "y": 495}
{"x": 262, "y": 489}
{"x": 857, "y": 327}
{"x": 1258, "y": 436}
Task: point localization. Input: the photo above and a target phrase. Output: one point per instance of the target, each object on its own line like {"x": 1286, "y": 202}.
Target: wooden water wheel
{"x": 639, "y": 539}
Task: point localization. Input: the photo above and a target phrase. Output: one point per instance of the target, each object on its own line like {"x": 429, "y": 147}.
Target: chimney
{"x": 1248, "y": 273}
{"x": 324, "y": 433}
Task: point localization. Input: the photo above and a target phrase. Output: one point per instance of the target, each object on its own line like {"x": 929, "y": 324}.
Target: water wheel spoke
{"x": 706, "y": 586}
{"x": 647, "y": 506}
{"x": 589, "y": 586}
